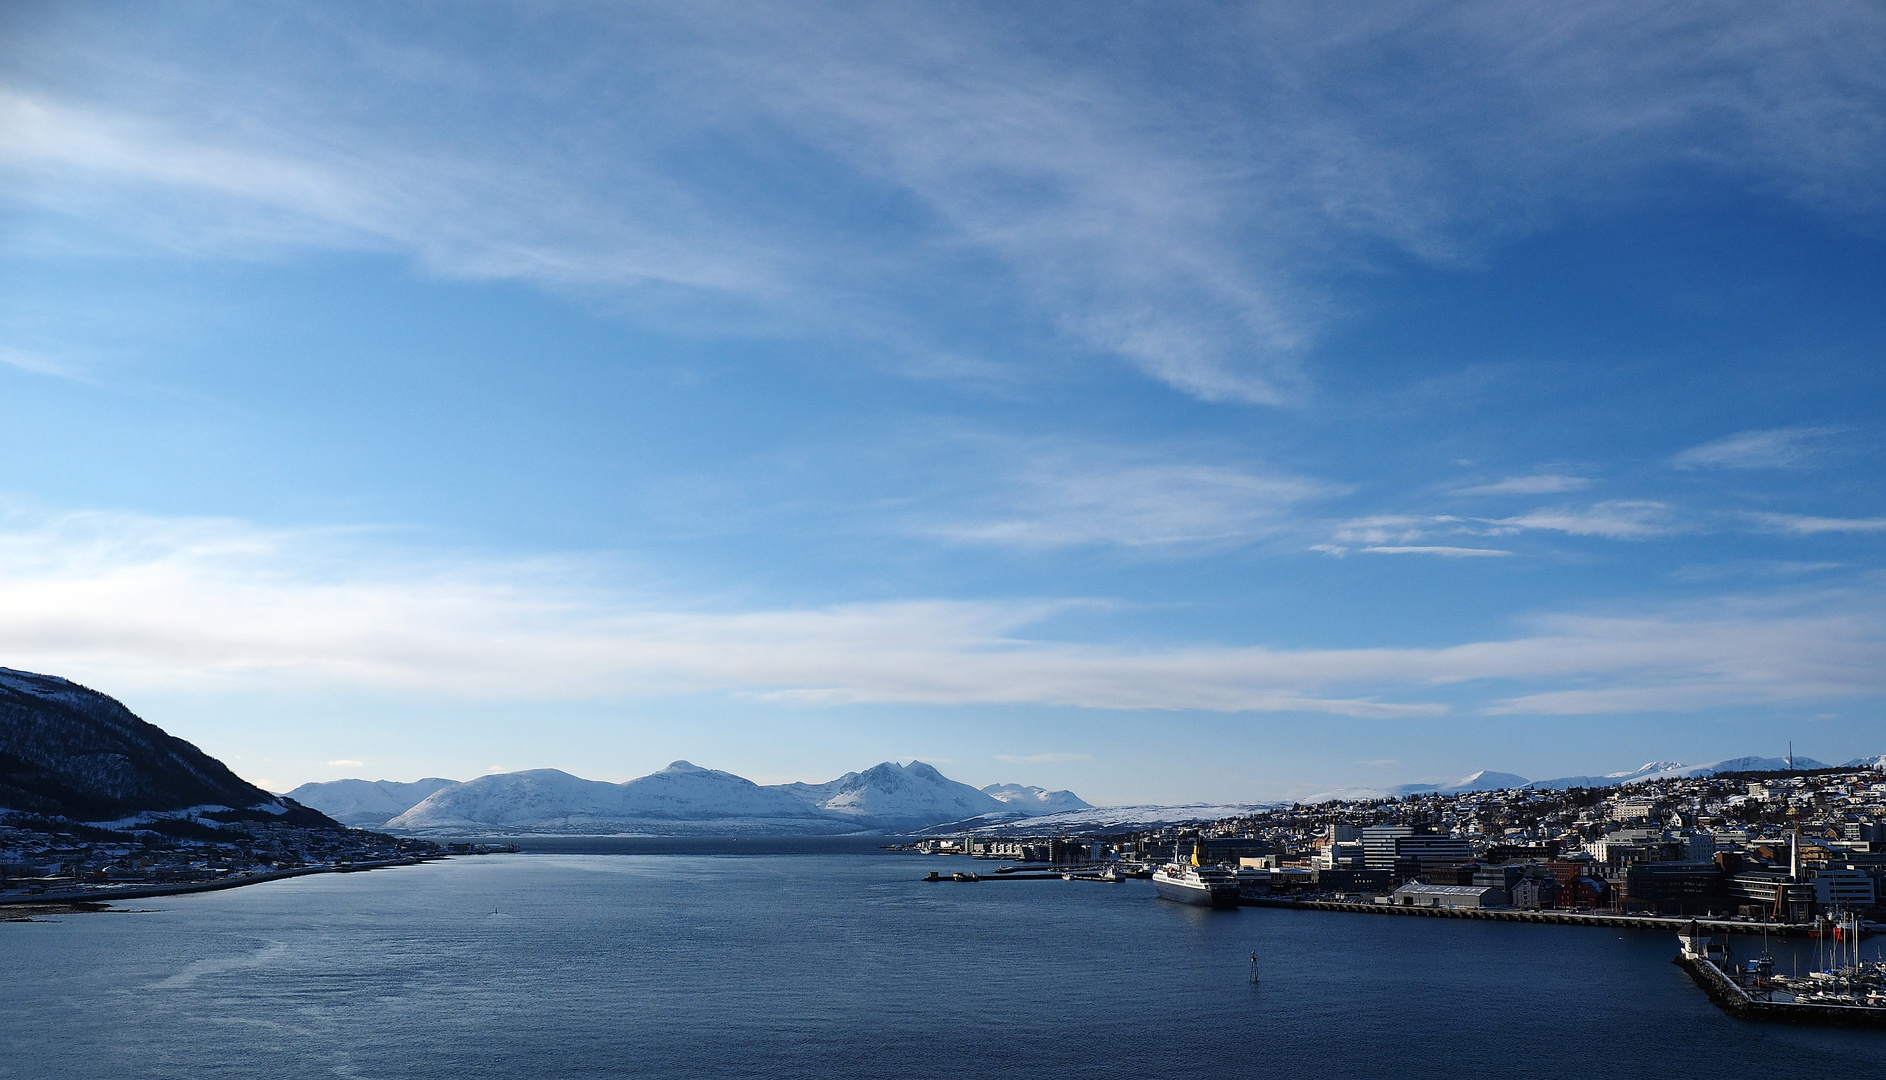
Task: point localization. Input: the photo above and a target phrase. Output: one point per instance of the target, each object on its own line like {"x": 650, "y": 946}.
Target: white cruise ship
{"x": 1196, "y": 883}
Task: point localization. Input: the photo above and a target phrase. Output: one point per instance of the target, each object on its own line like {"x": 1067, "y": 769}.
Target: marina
{"x": 1848, "y": 992}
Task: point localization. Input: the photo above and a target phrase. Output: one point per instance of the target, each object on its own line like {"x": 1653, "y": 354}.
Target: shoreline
{"x": 106, "y": 894}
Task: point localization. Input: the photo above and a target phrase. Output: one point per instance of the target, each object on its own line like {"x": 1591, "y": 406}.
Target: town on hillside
{"x": 1781, "y": 848}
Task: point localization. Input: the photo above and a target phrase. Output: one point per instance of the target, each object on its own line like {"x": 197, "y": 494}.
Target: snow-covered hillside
{"x": 67, "y": 750}
{"x": 893, "y": 798}
{"x": 1655, "y": 770}
{"x": 1104, "y": 817}
{"x": 1673, "y": 770}
{"x": 1036, "y": 801}
{"x": 366, "y": 803}
{"x": 1484, "y": 780}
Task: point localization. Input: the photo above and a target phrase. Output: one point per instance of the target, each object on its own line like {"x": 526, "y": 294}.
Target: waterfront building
{"x": 1535, "y": 893}
{"x": 1676, "y": 888}
{"x": 1584, "y": 892}
{"x": 1502, "y": 877}
{"x": 1415, "y": 894}
{"x": 1771, "y": 894}
{"x": 1846, "y": 886}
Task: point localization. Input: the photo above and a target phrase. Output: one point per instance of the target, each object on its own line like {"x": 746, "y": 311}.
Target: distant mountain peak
{"x": 1651, "y": 767}
{"x": 367, "y": 803}
{"x": 1034, "y": 800}
{"x": 684, "y": 767}
{"x": 1488, "y": 780}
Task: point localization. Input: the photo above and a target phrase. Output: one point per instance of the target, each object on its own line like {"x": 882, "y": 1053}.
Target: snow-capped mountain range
{"x": 1655, "y": 770}
{"x": 682, "y": 799}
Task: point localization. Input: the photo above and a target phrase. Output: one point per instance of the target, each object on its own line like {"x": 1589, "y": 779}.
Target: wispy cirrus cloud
{"x": 1806, "y": 525}
{"x": 821, "y": 165}
{"x": 129, "y": 601}
{"x": 1049, "y": 495}
{"x": 38, "y": 362}
{"x": 1774, "y": 448}
{"x": 1397, "y": 529}
{"x": 1441, "y": 550}
{"x": 1619, "y": 519}
{"x": 1539, "y": 484}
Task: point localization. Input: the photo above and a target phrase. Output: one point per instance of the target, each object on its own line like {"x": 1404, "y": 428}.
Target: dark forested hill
{"x": 69, "y": 751}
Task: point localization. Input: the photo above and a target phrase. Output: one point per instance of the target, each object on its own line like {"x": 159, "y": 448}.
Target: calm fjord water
{"x": 833, "y": 960}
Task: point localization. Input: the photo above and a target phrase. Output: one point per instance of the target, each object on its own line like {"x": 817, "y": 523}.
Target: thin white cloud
{"x": 1061, "y": 496}
{"x": 1448, "y": 552}
{"x": 38, "y": 363}
{"x": 1042, "y": 759}
{"x": 132, "y": 601}
{"x": 1621, "y": 519}
{"x": 348, "y": 763}
{"x": 1753, "y": 568}
{"x": 1416, "y": 533}
{"x": 1397, "y": 529}
{"x": 1803, "y": 525}
{"x": 1775, "y": 448}
{"x": 1542, "y": 484}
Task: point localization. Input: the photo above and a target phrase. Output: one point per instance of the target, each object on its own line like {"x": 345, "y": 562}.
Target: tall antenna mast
{"x": 1790, "y": 755}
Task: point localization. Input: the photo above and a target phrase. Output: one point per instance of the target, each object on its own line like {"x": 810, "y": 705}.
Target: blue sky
{"x": 1230, "y": 404}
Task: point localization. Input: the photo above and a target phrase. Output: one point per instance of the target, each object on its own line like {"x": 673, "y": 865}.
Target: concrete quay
{"x": 1563, "y": 918}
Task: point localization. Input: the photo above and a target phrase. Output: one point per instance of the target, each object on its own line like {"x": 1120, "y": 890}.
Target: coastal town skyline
{"x": 1223, "y": 408}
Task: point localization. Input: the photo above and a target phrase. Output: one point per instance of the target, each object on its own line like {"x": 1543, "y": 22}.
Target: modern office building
{"x": 1378, "y": 845}
{"x": 1843, "y": 886}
